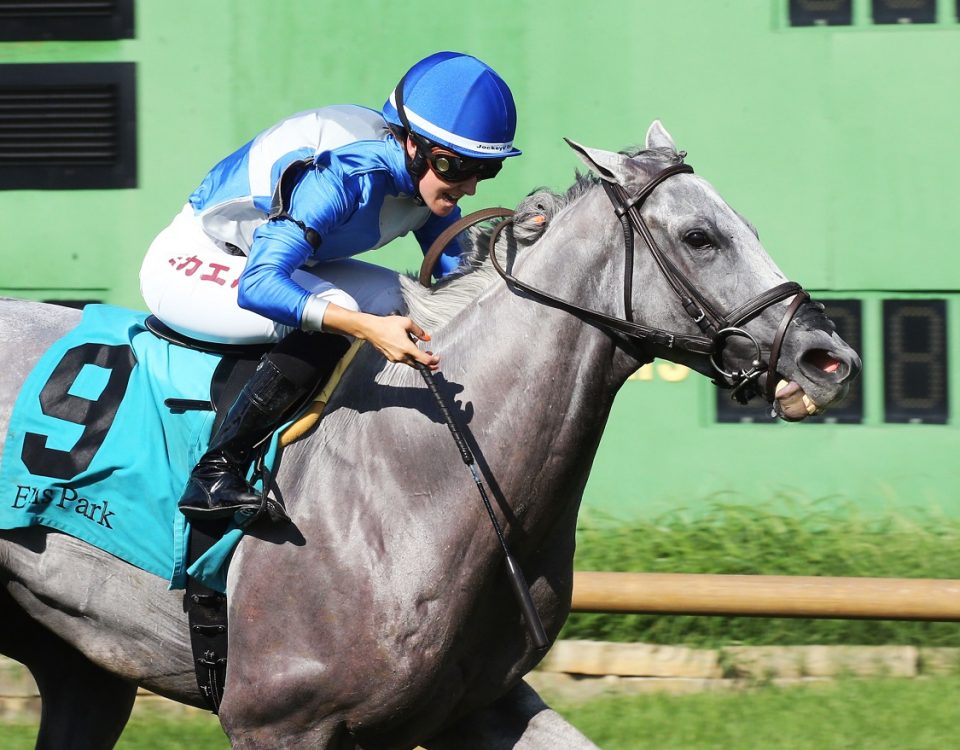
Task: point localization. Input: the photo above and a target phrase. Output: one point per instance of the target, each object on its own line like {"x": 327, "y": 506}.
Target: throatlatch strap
{"x": 207, "y": 615}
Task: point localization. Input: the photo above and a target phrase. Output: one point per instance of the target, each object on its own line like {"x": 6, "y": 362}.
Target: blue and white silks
{"x": 358, "y": 197}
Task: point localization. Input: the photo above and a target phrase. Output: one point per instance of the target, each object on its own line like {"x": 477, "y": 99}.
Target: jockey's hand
{"x": 394, "y": 336}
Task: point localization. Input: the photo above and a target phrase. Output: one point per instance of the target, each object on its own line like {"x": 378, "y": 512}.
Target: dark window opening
{"x": 915, "y": 361}
{"x": 904, "y": 11}
{"x": 68, "y": 126}
{"x": 80, "y": 20}
{"x": 821, "y": 12}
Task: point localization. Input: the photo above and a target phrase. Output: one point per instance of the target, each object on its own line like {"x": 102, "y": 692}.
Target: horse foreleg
{"x": 82, "y": 706}
{"x": 520, "y": 720}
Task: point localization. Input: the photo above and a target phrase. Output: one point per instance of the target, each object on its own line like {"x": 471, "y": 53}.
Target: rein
{"x": 715, "y": 326}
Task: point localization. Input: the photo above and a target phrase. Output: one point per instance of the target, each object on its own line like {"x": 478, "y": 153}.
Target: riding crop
{"x": 519, "y": 584}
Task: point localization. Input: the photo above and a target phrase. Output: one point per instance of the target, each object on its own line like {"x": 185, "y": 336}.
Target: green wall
{"x": 838, "y": 143}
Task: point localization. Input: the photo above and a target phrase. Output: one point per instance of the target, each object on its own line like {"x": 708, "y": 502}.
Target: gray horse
{"x": 381, "y": 617}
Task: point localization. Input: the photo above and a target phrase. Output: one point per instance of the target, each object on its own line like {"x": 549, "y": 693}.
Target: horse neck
{"x": 540, "y": 381}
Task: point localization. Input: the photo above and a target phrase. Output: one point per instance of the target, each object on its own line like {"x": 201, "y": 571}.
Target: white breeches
{"x": 189, "y": 281}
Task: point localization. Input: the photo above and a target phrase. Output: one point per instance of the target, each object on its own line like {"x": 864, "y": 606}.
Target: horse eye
{"x": 697, "y": 238}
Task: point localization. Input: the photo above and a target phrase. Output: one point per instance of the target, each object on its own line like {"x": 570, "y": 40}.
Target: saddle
{"x": 238, "y": 363}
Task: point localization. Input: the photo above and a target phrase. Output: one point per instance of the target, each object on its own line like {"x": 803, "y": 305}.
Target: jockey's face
{"x": 439, "y": 195}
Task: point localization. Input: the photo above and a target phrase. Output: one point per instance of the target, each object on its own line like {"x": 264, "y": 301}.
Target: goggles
{"x": 459, "y": 168}
{"x": 454, "y": 168}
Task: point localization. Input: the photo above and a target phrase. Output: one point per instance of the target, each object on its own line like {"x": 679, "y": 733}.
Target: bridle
{"x": 716, "y": 327}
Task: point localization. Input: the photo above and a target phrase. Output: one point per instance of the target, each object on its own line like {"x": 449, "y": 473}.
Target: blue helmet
{"x": 459, "y": 102}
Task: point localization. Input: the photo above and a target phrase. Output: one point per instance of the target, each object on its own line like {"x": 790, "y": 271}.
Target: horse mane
{"x": 432, "y": 308}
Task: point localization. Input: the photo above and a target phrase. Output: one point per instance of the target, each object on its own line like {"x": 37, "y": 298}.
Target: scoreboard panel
{"x": 915, "y": 361}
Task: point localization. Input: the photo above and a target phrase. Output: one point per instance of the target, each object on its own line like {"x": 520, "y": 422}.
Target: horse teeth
{"x": 780, "y": 386}
{"x": 810, "y": 406}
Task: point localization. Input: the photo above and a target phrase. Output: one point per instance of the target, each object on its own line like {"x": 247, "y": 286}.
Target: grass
{"x": 917, "y": 714}
{"x": 148, "y": 730}
{"x": 877, "y": 714}
{"x": 801, "y": 539}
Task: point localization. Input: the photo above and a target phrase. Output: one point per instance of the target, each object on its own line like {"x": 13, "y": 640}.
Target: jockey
{"x": 262, "y": 250}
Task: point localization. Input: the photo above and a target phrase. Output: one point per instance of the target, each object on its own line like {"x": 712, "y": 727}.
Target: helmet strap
{"x": 416, "y": 164}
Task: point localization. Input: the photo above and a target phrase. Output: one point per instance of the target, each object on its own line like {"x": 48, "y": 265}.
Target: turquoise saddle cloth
{"x": 92, "y": 450}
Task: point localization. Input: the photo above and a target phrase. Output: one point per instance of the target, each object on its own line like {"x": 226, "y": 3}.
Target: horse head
{"x": 699, "y": 288}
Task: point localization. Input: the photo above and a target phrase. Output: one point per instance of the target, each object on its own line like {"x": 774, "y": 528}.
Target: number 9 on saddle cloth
{"x": 105, "y": 431}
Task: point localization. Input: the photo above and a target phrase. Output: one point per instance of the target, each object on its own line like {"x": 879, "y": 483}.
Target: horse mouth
{"x": 792, "y": 404}
{"x": 823, "y": 368}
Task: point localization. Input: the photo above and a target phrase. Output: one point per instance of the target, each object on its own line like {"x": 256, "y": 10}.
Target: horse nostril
{"x": 824, "y": 361}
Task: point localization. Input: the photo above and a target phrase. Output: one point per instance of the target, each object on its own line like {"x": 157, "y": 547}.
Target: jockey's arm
{"x": 267, "y": 288}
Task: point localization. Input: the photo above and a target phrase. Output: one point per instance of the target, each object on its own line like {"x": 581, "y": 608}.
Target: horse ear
{"x": 610, "y": 166}
{"x": 658, "y": 137}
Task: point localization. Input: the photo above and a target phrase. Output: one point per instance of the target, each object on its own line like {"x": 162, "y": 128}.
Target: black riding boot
{"x": 292, "y": 371}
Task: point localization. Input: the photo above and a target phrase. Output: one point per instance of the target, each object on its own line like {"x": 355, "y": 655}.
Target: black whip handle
{"x": 465, "y": 453}
{"x": 530, "y": 615}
